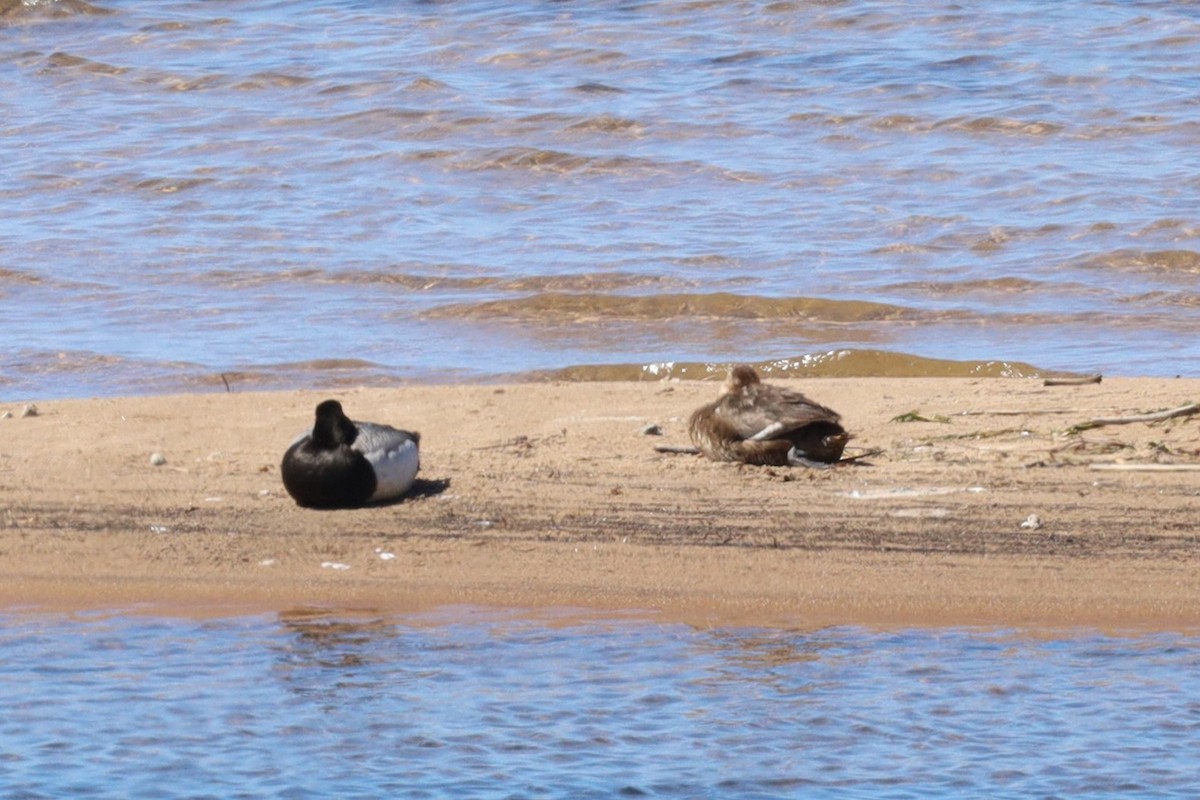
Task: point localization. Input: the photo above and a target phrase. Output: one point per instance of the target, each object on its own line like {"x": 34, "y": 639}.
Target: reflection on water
{"x": 477, "y": 703}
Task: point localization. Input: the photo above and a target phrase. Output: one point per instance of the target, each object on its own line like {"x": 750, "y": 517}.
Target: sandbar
{"x": 990, "y": 501}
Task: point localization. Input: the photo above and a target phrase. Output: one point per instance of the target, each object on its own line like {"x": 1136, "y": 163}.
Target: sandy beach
{"x": 988, "y": 501}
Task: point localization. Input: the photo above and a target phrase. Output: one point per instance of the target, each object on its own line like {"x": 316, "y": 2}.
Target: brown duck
{"x": 757, "y": 423}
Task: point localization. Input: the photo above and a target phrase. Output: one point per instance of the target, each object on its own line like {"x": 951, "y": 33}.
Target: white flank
{"x": 769, "y": 432}
{"x": 393, "y": 454}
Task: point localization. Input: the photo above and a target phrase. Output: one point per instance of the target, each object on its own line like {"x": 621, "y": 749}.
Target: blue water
{"x": 467, "y": 703}
{"x": 303, "y": 193}
{"x": 307, "y": 194}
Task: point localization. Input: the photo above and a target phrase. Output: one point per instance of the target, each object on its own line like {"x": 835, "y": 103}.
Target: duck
{"x": 758, "y": 423}
{"x": 345, "y": 464}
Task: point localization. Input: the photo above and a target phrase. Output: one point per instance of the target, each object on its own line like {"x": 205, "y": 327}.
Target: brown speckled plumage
{"x": 757, "y": 423}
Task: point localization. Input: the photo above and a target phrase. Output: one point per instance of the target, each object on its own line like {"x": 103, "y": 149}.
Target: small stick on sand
{"x": 874, "y": 451}
{"x": 1114, "y": 467}
{"x": 1028, "y": 412}
{"x": 1158, "y": 416}
{"x": 1086, "y": 379}
{"x": 676, "y": 449}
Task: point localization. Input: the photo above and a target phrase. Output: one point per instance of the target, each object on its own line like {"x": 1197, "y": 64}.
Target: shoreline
{"x": 548, "y": 495}
{"x": 152, "y": 379}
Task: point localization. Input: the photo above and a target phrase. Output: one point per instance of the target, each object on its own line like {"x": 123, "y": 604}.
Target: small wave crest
{"x": 539, "y": 160}
{"x": 999, "y": 285}
{"x": 422, "y": 281}
{"x": 1005, "y": 126}
{"x": 60, "y": 60}
{"x": 915, "y": 123}
{"x": 1166, "y": 261}
{"x": 141, "y": 78}
{"x": 830, "y": 364}
{"x": 48, "y": 9}
{"x": 9, "y": 277}
{"x": 560, "y": 307}
{"x": 563, "y": 162}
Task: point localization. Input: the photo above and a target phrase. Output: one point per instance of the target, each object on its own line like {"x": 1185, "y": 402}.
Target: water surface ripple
{"x": 436, "y": 191}
{"x": 474, "y": 703}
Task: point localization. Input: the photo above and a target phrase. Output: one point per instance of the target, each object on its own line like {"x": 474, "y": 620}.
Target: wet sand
{"x": 551, "y": 495}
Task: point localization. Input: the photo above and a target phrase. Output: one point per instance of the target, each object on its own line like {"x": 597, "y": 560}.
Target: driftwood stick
{"x": 676, "y": 449}
{"x": 1115, "y": 467}
{"x": 874, "y": 451}
{"x": 1086, "y": 379}
{"x": 1158, "y": 416}
{"x": 1015, "y": 412}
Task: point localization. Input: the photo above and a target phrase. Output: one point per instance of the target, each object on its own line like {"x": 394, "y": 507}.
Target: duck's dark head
{"x": 739, "y": 378}
{"x": 332, "y": 427}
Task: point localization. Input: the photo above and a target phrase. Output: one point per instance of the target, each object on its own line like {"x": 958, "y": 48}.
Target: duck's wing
{"x": 373, "y": 436}
{"x": 767, "y": 412}
{"x": 394, "y": 454}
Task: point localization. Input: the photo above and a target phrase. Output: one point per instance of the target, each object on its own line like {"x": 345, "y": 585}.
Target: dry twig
{"x": 1117, "y": 467}
{"x": 1027, "y": 412}
{"x": 1158, "y": 416}
{"x": 1073, "y": 381}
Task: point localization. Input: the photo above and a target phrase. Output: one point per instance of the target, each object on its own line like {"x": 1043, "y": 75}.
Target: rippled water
{"x": 365, "y": 192}
{"x": 472, "y": 703}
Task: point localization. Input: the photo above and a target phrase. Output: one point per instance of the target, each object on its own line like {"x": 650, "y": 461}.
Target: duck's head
{"x": 739, "y": 378}
{"x": 332, "y": 427}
